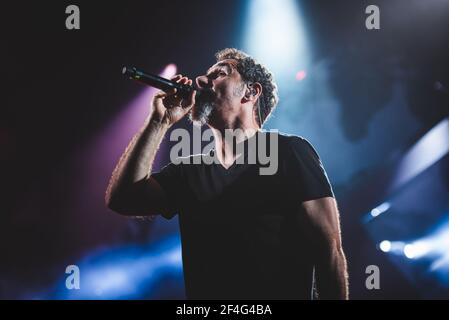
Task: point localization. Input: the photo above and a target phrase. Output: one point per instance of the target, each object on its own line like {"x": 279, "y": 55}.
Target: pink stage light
{"x": 96, "y": 162}
{"x": 301, "y": 75}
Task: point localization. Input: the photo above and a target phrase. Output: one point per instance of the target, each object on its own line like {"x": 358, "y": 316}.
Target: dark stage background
{"x": 374, "y": 103}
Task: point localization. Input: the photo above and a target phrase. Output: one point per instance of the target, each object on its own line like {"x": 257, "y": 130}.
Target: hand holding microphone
{"x": 168, "y": 106}
{"x": 171, "y": 104}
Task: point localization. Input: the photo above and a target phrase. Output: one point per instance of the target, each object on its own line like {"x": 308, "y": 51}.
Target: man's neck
{"x": 226, "y": 140}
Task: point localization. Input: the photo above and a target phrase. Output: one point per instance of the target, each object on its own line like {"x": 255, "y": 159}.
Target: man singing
{"x": 245, "y": 235}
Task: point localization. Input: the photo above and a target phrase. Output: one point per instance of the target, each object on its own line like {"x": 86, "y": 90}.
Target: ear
{"x": 252, "y": 92}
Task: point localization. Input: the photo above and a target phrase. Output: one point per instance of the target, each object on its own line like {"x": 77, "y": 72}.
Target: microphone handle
{"x": 152, "y": 80}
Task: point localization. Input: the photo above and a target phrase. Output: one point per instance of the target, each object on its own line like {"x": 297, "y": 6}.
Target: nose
{"x": 201, "y": 82}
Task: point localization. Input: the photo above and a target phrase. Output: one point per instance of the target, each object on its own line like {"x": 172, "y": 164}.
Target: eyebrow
{"x": 222, "y": 64}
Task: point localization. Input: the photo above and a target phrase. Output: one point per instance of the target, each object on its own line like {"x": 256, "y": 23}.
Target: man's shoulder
{"x": 288, "y": 140}
{"x": 293, "y": 146}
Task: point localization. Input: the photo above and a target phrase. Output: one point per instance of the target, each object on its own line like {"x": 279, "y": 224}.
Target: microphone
{"x": 182, "y": 90}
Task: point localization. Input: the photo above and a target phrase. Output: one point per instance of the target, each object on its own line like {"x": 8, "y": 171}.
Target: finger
{"x": 180, "y": 80}
{"x": 184, "y": 80}
{"x": 160, "y": 94}
{"x": 176, "y": 77}
{"x": 172, "y": 98}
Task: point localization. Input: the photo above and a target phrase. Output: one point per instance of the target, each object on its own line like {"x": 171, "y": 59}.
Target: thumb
{"x": 163, "y": 94}
{"x": 191, "y": 101}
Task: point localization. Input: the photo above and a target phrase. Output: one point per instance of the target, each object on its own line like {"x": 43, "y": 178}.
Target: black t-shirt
{"x": 239, "y": 230}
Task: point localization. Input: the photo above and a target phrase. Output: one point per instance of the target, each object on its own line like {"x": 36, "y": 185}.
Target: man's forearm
{"x": 319, "y": 220}
{"x": 331, "y": 274}
{"x": 136, "y": 162}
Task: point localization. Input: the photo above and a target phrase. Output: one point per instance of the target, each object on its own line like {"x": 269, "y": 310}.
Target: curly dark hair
{"x": 251, "y": 71}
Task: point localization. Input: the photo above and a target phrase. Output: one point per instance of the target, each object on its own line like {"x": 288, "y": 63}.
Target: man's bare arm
{"x": 131, "y": 190}
{"x": 321, "y": 223}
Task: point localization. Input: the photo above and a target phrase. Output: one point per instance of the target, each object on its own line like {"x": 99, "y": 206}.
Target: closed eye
{"x": 215, "y": 74}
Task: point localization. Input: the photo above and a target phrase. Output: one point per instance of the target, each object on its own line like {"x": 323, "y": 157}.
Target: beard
{"x": 204, "y": 105}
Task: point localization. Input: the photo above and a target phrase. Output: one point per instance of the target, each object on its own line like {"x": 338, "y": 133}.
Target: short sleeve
{"x": 170, "y": 178}
{"x": 304, "y": 172}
